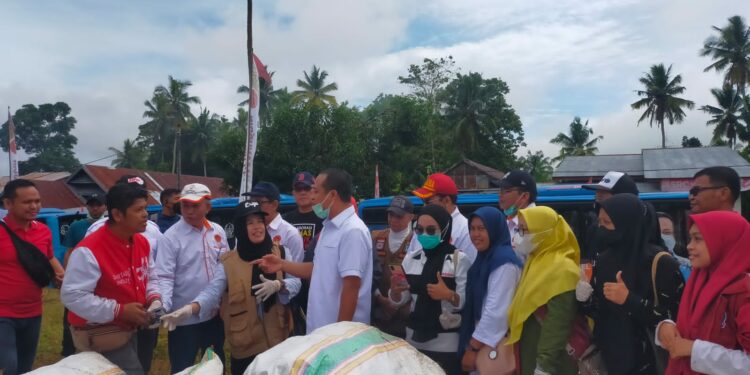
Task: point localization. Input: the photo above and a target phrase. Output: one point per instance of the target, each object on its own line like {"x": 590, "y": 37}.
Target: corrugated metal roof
{"x": 492, "y": 172}
{"x": 685, "y": 162}
{"x": 599, "y": 165}
{"x": 57, "y": 194}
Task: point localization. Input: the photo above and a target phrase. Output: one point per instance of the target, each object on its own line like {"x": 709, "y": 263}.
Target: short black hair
{"x": 167, "y": 193}
{"x": 11, "y": 188}
{"x": 722, "y": 176}
{"x": 664, "y": 215}
{"x": 340, "y": 181}
{"x": 122, "y": 196}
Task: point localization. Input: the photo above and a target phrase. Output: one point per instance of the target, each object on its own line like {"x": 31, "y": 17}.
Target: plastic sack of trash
{"x": 210, "y": 364}
{"x": 86, "y": 363}
{"x": 343, "y": 348}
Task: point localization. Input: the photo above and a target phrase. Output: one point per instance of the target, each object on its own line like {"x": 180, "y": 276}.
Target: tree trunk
{"x": 663, "y": 136}
{"x": 205, "y": 174}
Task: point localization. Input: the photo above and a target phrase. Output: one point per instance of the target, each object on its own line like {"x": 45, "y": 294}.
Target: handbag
{"x": 33, "y": 261}
{"x": 503, "y": 363}
{"x": 661, "y": 357}
{"x": 580, "y": 347}
{"x": 100, "y": 338}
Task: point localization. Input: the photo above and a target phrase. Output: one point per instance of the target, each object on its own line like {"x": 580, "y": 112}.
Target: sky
{"x": 561, "y": 59}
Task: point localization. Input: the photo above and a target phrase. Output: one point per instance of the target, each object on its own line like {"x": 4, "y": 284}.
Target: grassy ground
{"x": 50, "y": 340}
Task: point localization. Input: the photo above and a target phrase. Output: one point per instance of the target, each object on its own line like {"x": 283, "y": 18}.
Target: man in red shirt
{"x": 20, "y": 296}
{"x": 106, "y": 285}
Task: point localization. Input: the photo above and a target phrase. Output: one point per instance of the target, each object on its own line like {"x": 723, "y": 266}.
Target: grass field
{"x": 50, "y": 340}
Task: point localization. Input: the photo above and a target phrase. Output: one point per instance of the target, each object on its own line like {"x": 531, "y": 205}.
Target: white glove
{"x": 266, "y": 288}
{"x": 583, "y": 291}
{"x": 155, "y": 311}
{"x": 538, "y": 371}
{"x": 170, "y": 321}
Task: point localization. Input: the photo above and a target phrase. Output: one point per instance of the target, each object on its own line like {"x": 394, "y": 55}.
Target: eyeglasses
{"x": 263, "y": 202}
{"x": 509, "y": 190}
{"x": 394, "y": 215}
{"x": 695, "y": 190}
{"x": 299, "y": 189}
{"x": 429, "y": 230}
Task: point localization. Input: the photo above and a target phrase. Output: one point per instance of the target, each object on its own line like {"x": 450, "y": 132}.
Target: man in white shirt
{"x": 186, "y": 264}
{"x": 441, "y": 190}
{"x": 282, "y": 233}
{"x": 517, "y": 191}
{"x": 341, "y": 272}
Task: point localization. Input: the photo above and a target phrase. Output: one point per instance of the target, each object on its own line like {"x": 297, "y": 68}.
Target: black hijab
{"x": 249, "y": 251}
{"x": 425, "y": 319}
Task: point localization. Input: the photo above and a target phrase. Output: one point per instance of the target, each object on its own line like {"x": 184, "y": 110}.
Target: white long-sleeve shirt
{"x": 152, "y": 233}
{"x": 287, "y": 236}
{"x": 459, "y": 236}
{"x": 714, "y": 359}
{"x": 493, "y": 323}
{"x": 187, "y": 262}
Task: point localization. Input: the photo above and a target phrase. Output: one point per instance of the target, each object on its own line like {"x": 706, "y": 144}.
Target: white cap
{"x": 607, "y": 183}
{"x": 195, "y": 193}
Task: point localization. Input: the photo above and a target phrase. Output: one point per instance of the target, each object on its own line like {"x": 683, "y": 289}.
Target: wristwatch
{"x": 493, "y": 354}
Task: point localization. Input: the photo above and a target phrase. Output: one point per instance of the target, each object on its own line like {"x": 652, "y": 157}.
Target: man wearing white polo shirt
{"x": 341, "y": 272}
{"x": 185, "y": 264}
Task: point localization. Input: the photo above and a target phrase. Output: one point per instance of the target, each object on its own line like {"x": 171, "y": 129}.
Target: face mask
{"x": 321, "y": 212}
{"x": 607, "y": 237}
{"x": 427, "y": 241}
{"x": 524, "y": 244}
{"x": 669, "y": 241}
{"x": 512, "y": 210}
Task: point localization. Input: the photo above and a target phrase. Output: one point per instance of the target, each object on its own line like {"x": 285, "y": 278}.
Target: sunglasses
{"x": 695, "y": 190}
{"x": 429, "y": 230}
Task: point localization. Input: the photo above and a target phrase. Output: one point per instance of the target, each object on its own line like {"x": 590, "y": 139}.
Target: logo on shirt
{"x": 307, "y": 231}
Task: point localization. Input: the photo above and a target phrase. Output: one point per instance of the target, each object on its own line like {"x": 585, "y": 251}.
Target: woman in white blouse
{"x": 491, "y": 283}
{"x": 434, "y": 284}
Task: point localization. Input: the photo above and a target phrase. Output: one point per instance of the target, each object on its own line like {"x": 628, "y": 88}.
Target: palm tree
{"x": 131, "y": 156}
{"x": 315, "y": 91}
{"x": 727, "y": 117}
{"x": 578, "y": 141}
{"x": 467, "y": 105}
{"x": 179, "y": 109}
{"x": 202, "y": 130}
{"x": 660, "y": 99}
{"x": 268, "y": 97}
{"x": 730, "y": 51}
{"x": 157, "y": 130}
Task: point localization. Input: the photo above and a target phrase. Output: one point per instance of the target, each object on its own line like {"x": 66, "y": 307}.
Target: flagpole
{"x": 10, "y": 159}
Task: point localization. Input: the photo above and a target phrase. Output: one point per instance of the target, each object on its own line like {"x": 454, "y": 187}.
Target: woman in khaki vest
{"x": 253, "y": 304}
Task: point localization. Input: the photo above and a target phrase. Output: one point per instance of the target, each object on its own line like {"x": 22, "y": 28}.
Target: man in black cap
{"x": 390, "y": 246}
{"x": 517, "y": 191}
{"x": 95, "y": 210}
{"x": 303, "y": 218}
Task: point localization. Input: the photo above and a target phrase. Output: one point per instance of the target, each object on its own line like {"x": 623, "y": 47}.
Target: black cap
{"x": 521, "y": 180}
{"x": 303, "y": 179}
{"x": 94, "y": 200}
{"x": 400, "y": 205}
{"x": 248, "y": 208}
{"x": 616, "y": 183}
{"x": 265, "y": 189}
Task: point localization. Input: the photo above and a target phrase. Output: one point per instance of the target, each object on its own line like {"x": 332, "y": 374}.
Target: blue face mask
{"x": 512, "y": 210}
{"x": 427, "y": 241}
{"x": 669, "y": 241}
{"x": 321, "y": 212}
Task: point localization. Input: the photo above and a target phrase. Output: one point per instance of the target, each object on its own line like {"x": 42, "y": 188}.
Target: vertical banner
{"x": 251, "y": 140}
{"x": 377, "y": 181}
{"x": 13, "y": 160}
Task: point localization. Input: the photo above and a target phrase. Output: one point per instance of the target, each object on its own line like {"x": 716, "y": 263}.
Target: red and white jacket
{"x": 105, "y": 273}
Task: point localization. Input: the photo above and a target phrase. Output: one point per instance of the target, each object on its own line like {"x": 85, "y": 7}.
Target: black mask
{"x": 607, "y": 237}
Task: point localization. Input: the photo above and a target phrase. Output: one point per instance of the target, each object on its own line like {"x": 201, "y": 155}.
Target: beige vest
{"x": 247, "y": 334}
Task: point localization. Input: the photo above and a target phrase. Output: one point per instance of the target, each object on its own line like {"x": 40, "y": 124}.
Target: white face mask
{"x": 523, "y": 244}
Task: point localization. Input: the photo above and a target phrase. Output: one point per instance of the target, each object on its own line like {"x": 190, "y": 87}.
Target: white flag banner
{"x": 13, "y": 173}
{"x": 251, "y": 141}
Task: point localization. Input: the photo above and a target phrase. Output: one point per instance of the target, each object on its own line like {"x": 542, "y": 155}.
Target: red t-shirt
{"x": 20, "y": 297}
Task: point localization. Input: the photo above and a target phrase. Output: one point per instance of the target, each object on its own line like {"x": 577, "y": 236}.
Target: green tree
{"x": 484, "y": 125}
{"x": 201, "y": 132}
{"x": 727, "y": 117}
{"x": 130, "y": 156}
{"x": 314, "y": 90}
{"x": 44, "y": 133}
{"x": 538, "y": 165}
{"x": 268, "y": 97}
{"x": 691, "y": 142}
{"x": 178, "y": 109}
{"x": 730, "y": 52}
{"x": 660, "y": 99}
{"x": 157, "y": 133}
{"x": 578, "y": 141}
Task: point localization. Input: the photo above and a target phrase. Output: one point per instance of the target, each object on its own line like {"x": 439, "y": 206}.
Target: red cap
{"x": 436, "y": 183}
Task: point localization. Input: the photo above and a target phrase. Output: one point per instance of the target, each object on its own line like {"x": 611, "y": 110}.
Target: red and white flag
{"x": 377, "y": 181}
{"x": 13, "y": 173}
{"x": 253, "y": 121}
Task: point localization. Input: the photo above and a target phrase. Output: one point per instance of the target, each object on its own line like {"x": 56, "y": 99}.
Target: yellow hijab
{"x": 553, "y": 267}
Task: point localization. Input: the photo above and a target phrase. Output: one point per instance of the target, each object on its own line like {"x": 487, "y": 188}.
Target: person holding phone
{"x": 390, "y": 247}
{"x": 434, "y": 289}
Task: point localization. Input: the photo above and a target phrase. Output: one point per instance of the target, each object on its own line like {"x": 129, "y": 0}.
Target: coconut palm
{"x": 130, "y": 156}
{"x": 314, "y": 90}
{"x": 468, "y": 99}
{"x": 660, "y": 99}
{"x": 202, "y": 130}
{"x": 578, "y": 141}
{"x": 179, "y": 109}
{"x": 730, "y": 51}
{"x": 155, "y": 133}
{"x": 726, "y": 118}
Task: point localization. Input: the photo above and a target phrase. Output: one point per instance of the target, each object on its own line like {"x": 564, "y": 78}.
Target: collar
{"x": 339, "y": 220}
{"x": 456, "y": 213}
{"x": 111, "y": 236}
{"x": 186, "y": 227}
{"x": 276, "y": 222}
{"x": 14, "y": 226}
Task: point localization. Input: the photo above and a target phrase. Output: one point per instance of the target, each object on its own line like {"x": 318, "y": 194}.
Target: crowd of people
{"x": 506, "y": 290}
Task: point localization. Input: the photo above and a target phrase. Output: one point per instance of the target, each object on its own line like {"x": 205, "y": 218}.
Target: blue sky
{"x": 560, "y": 58}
